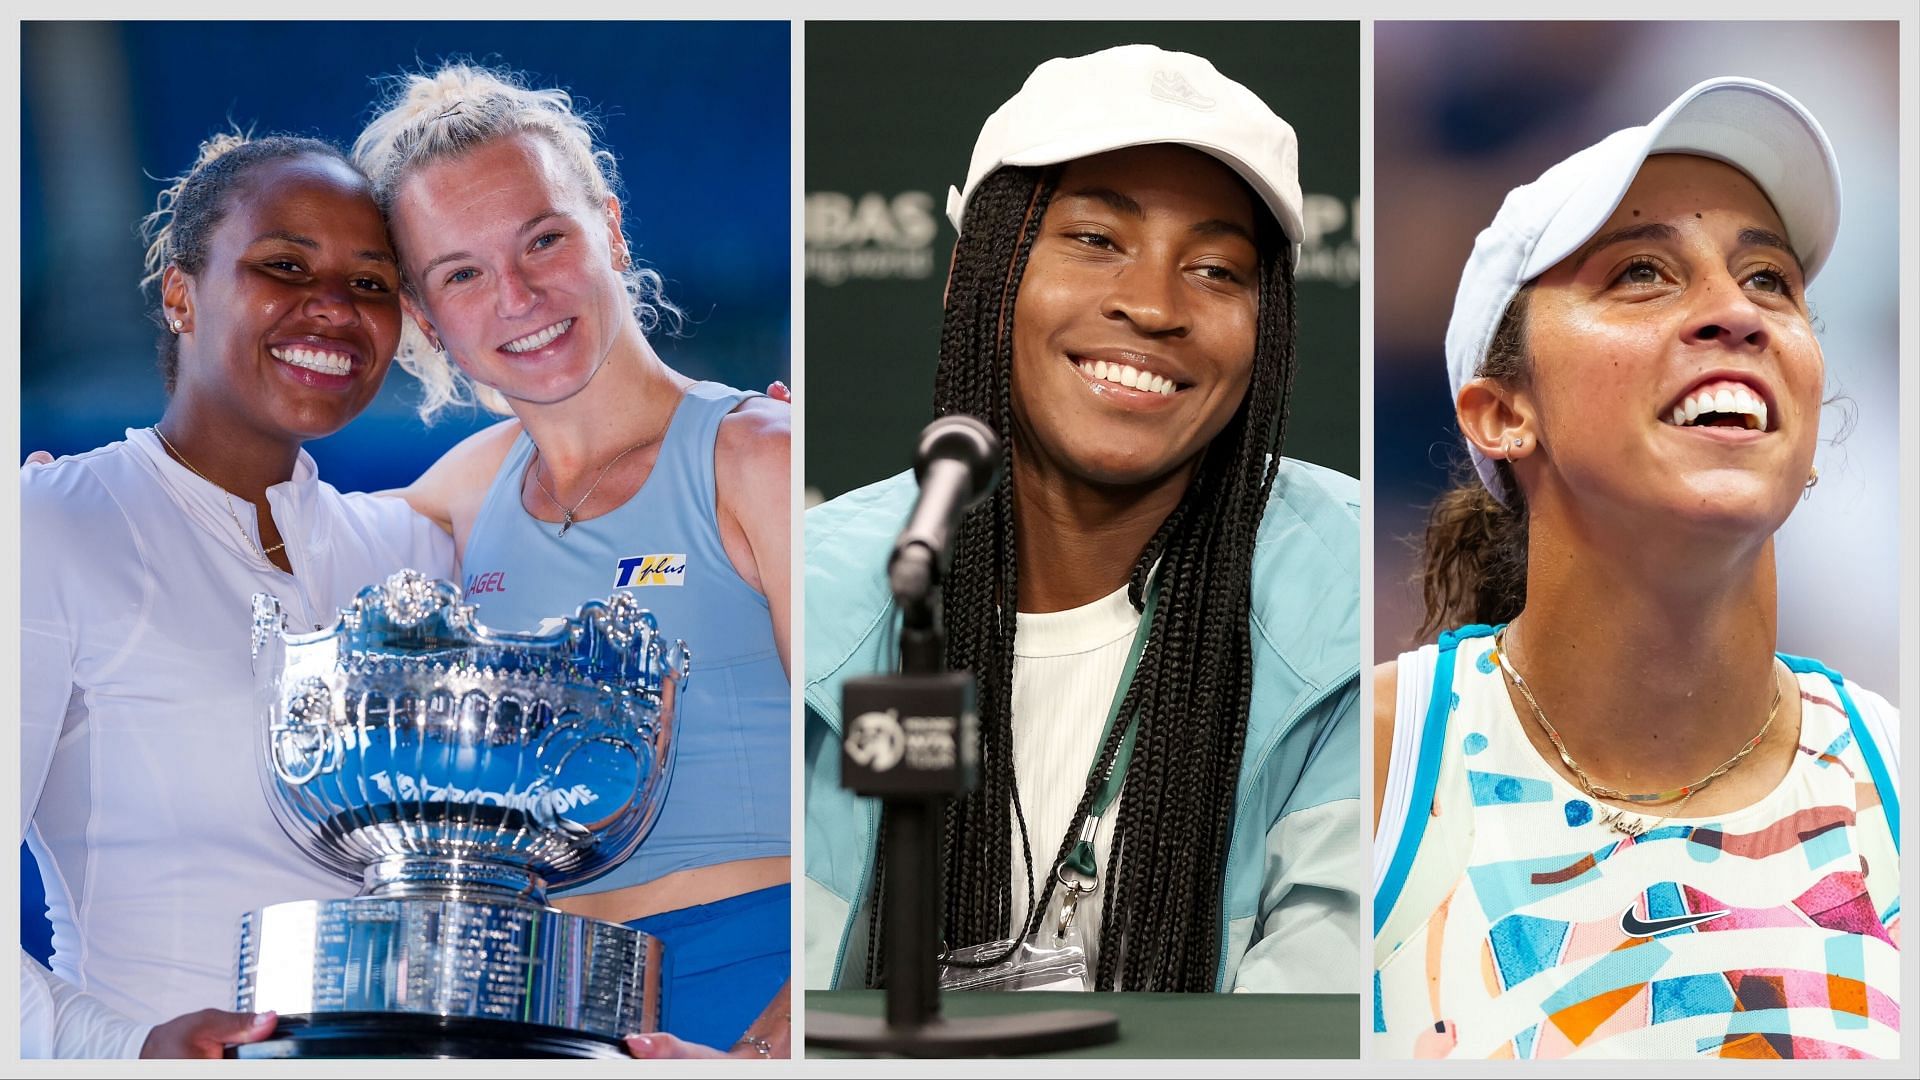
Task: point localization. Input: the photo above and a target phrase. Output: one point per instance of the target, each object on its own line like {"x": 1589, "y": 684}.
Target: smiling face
{"x": 515, "y": 268}
{"x": 1133, "y": 333}
{"x": 1674, "y": 366}
{"x": 294, "y": 316}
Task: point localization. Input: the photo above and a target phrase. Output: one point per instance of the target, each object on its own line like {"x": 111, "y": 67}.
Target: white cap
{"x": 1133, "y": 95}
{"x": 1746, "y": 123}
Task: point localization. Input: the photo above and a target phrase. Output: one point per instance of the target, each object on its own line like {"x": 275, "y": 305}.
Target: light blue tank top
{"x": 728, "y": 797}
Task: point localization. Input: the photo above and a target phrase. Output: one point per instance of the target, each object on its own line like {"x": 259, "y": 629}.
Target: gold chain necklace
{"x": 566, "y": 512}
{"x": 244, "y": 534}
{"x": 1615, "y": 818}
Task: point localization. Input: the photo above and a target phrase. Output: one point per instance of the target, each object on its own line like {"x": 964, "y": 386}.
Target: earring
{"x": 1806, "y": 491}
{"x": 177, "y": 325}
{"x": 1519, "y": 441}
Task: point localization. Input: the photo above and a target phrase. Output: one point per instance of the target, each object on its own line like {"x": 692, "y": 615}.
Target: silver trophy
{"x": 455, "y": 773}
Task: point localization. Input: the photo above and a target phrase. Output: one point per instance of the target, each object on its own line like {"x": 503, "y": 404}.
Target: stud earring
{"x": 177, "y": 325}
{"x": 1519, "y": 441}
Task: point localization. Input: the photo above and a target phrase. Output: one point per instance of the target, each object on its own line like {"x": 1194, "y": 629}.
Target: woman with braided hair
{"x": 1120, "y": 310}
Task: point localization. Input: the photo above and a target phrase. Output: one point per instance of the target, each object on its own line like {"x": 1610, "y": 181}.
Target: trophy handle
{"x": 269, "y": 622}
{"x": 543, "y": 802}
{"x": 306, "y": 744}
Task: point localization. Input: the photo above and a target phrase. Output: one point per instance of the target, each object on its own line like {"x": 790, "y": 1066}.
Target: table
{"x": 1160, "y": 1025}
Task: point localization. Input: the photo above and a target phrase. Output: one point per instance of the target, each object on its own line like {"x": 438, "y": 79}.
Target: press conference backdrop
{"x": 892, "y": 111}
{"x": 109, "y": 107}
{"x": 1464, "y": 111}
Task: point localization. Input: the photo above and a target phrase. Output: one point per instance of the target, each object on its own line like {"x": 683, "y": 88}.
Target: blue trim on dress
{"x": 1426, "y": 777}
{"x": 1869, "y": 749}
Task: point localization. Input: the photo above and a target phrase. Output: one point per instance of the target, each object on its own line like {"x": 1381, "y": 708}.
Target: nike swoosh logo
{"x": 1638, "y": 927}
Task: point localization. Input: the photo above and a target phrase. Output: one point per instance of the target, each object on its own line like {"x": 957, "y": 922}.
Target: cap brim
{"x": 1062, "y": 150}
{"x": 1752, "y": 126}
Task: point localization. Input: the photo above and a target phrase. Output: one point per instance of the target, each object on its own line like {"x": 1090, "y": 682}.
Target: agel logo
{"x": 640, "y": 570}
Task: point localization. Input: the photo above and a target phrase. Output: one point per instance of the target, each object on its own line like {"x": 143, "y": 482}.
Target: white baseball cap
{"x": 1750, "y": 125}
{"x": 1133, "y": 95}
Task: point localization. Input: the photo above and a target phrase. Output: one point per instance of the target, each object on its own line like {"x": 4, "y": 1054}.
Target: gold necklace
{"x": 1614, "y": 817}
{"x": 244, "y": 534}
{"x": 566, "y": 513}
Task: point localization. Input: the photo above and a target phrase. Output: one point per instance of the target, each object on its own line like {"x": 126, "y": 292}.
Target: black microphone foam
{"x": 954, "y": 465}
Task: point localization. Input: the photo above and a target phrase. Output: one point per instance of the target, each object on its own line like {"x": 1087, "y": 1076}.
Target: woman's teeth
{"x": 1131, "y": 377}
{"x": 327, "y": 363}
{"x": 538, "y": 339}
{"x": 1712, "y": 406}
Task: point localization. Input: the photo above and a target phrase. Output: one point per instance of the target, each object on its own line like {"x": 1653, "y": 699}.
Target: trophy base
{"x": 414, "y": 977}
{"x": 400, "y": 1035}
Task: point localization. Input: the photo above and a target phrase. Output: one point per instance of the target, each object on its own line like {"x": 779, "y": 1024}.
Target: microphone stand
{"x": 927, "y": 757}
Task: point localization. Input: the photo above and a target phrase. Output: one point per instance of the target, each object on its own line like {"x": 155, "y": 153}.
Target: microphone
{"x": 955, "y": 464}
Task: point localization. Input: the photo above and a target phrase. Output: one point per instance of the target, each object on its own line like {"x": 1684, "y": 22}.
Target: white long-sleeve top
{"x": 138, "y": 789}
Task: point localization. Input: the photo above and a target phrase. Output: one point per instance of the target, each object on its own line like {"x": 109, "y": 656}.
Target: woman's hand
{"x": 663, "y": 1045}
{"x": 769, "y": 1036}
{"x": 206, "y": 1034}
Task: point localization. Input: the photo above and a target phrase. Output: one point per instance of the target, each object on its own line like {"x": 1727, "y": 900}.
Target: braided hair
{"x": 1161, "y": 906}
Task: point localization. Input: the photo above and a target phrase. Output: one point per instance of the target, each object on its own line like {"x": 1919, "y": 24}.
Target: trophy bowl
{"x": 455, "y": 773}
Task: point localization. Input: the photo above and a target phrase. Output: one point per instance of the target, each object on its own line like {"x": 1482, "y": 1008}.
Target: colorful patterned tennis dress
{"x": 1510, "y": 920}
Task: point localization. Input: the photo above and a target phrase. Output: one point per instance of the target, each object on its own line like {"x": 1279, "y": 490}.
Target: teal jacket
{"x": 1290, "y": 902}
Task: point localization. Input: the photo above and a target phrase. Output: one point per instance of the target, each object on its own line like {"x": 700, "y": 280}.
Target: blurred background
{"x": 893, "y": 110}
{"x": 1465, "y": 111}
{"x": 698, "y": 114}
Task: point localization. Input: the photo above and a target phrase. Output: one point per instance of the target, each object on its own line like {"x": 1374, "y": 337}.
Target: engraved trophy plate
{"x": 455, "y": 773}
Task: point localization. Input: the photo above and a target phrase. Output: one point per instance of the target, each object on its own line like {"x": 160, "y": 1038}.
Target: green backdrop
{"x": 892, "y": 111}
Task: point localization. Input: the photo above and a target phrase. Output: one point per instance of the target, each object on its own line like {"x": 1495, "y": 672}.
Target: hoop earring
{"x": 1806, "y": 490}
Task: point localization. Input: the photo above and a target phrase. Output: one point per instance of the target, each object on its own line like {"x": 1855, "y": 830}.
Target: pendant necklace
{"x": 567, "y": 512}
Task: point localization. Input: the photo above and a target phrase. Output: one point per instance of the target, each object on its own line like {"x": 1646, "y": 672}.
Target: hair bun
{"x": 217, "y": 146}
{"x": 156, "y": 228}
{"x": 429, "y": 96}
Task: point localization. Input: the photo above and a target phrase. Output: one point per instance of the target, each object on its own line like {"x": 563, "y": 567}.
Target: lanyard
{"x": 1081, "y": 859}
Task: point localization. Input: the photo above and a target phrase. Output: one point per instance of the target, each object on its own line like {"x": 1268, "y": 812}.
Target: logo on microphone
{"x": 875, "y": 740}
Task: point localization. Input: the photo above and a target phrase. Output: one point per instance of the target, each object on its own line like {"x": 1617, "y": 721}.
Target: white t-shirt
{"x": 1066, "y": 665}
{"x": 139, "y": 792}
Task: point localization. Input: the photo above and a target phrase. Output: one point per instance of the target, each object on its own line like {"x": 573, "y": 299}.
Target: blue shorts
{"x": 724, "y": 963}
